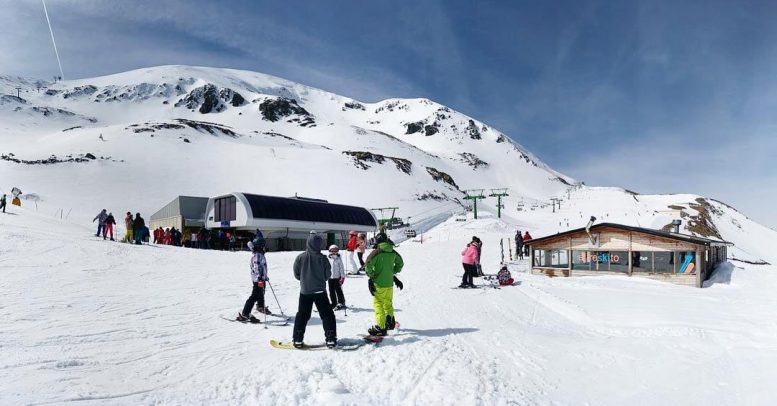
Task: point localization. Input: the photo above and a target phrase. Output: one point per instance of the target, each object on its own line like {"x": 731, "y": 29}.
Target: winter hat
{"x": 334, "y": 247}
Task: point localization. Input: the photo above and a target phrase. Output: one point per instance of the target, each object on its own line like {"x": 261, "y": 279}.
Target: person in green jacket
{"x": 381, "y": 266}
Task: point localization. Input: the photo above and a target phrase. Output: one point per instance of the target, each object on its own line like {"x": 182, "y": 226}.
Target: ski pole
{"x": 276, "y": 300}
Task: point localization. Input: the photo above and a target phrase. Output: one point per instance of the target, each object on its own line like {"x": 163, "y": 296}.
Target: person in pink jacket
{"x": 469, "y": 259}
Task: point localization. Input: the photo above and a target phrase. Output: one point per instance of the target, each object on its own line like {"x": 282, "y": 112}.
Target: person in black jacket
{"x": 313, "y": 270}
{"x": 139, "y": 226}
{"x": 109, "y": 222}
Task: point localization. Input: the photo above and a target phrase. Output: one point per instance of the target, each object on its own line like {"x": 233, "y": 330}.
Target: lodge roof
{"x": 285, "y": 208}
{"x": 675, "y": 236}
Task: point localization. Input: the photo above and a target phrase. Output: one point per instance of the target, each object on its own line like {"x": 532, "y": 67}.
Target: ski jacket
{"x": 258, "y": 267}
{"x": 503, "y": 275}
{"x": 139, "y": 223}
{"x": 470, "y": 255}
{"x": 361, "y": 245}
{"x": 527, "y": 236}
{"x": 110, "y": 219}
{"x": 381, "y": 265}
{"x": 311, "y": 268}
{"x": 101, "y": 217}
{"x": 518, "y": 240}
{"x": 128, "y": 221}
{"x": 351, "y": 245}
{"x": 338, "y": 269}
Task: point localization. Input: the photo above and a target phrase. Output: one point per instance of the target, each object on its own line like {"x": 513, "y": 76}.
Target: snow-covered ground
{"x": 82, "y": 319}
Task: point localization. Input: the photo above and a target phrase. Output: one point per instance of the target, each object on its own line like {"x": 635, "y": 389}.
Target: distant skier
{"x": 518, "y": 244}
{"x": 504, "y": 277}
{"x": 526, "y": 237}
{"x": 2, "y": 203}
{"x": 479, "y": 246}
{"x": 337, "y": 278}
{"x": 350, "y": 247}
{"x": 138, "y": 228}
{"x": 100, "y": 218}
{"x": 312, "y": 269}
{"x": 381, "y": 266}
{"x": 469, "y": 260}
{"x": 108, "y": 230}
{"x": 361, "y": 246}
{"x": 258, "y": 279}
{"x": 128, "y": 223}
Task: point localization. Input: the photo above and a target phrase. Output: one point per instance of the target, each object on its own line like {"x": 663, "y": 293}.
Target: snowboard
{"x": 342, "y": 345}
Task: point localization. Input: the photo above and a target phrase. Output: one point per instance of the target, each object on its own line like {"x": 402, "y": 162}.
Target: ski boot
{"x": 298, "y": 344}
{"x": 377, "y": 331}
{"x": 391, "y": 323}
{"x": 249, "y": 319}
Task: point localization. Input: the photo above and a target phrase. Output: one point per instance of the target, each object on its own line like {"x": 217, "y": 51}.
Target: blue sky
{"x": 656, "y": 97}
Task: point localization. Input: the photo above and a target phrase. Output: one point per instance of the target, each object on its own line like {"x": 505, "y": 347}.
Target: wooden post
{"x": 569, "y": 256}
{"x": 699, "y": 269}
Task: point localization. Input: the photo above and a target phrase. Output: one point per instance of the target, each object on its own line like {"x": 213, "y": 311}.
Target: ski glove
{"x": 342, "y": 281}
{"x": 260, "y": 284}
{"x": 399, "y": 283}
{"x": 371, "y": 286}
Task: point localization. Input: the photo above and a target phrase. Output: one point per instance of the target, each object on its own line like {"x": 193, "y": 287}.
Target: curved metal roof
{"x": 284, "y": 208}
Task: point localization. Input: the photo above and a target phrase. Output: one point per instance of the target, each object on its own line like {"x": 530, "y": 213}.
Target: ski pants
{"x": 108, "y": 230}
{"x": 100, "y": 230}
{"x": 324, "y": 310}
{"x": 138, "y": 236}
{"x": 257, "y": 296}
{"x": 2, "y": 206}
{"x": 128, "y": 235}
{"x": 351, "y": 261}
{"x": 360, "y": 255}
{"x": 470, "y": 270}
{"x": 383, "y": 304}
{"x": 336, "y": 292}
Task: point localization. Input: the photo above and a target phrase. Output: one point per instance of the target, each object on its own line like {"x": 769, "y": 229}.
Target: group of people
{"x": 521, "y": 249}
{"x": 136, "y": 230}
{"x": 167, "y": 236}
{"x": 316, "y": 272}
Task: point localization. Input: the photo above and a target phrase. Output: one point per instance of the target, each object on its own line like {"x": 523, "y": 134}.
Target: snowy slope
{"x": 183, "y": 130}
{"x": 87, "y": 320}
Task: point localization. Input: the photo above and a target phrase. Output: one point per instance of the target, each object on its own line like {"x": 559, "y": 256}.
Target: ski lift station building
{"x": 616, "y": 249}
{"x": 185, "y": 213}
{"x": 286, "y": 222}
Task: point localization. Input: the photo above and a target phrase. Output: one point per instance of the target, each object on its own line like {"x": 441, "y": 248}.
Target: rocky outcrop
{"x": 52, "y": 159}
{"x": 211, "y": 99}
{"x": 441, "y": 176}
{"x": 275, "y": 109}
{"x": 360, "y": 159}
{"x": 472, "y": 160}
{"x": 473, "y": 131}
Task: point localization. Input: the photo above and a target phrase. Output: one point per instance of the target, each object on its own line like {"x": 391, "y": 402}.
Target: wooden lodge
{"x": 616, "y": 249}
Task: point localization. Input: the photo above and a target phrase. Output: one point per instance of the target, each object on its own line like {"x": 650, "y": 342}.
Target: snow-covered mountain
{"x": 135, "y": 140}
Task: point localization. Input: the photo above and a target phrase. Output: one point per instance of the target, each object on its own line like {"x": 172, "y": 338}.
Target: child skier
{"x": 312, "y": 269}
{"x": 337, "y": 279}
{"x": 504, "y": 277}
{"x": 381, "y": 266}
{"x": 258, "y": 279}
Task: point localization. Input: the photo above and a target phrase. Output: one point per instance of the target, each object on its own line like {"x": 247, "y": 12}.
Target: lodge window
{"x": 611, "y": 261}
{"x": 551, "y": 258}
{"x": 225, "y": 209}
{"x": 663, "y": 262}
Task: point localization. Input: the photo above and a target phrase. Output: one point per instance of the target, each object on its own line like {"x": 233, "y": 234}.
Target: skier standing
{"x": 258, "y": 280}
{"x": 469, "y": 259}
{"x": 519, "y": 244}
{"x": 100, "y": 218}
{"x": 2, "y": 203}
{"x": 108, "y": 230}
{"x": 312, "y": 269}
{"x": 139, "y": 227}
{"x": 128, "y": 223}
{"x": 526, "y": 237}
{"x": 381, "y": 266}
{"x": 350, "y": 248}
{"x": 361, "y": 246}
{"x": 337, "y": 278}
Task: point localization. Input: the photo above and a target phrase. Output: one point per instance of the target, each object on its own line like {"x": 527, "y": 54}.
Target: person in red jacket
{"x": 351, "y": 247}
{"x": 526, "y": 237}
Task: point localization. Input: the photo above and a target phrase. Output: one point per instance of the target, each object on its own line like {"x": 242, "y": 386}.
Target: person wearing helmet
{"x": 258, "y": 279}
{"x": 351, "y": 248}
{"x": 337, "y": 279}
{"x": 382, "y": 265}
